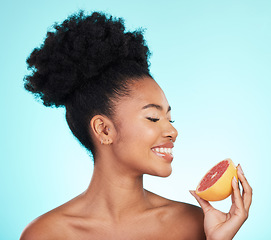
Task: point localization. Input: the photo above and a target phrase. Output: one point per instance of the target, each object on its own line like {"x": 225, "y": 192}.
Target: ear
{"x": 102, "y": 129}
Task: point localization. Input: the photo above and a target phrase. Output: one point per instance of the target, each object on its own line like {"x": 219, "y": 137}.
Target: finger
{"x": 232, "y": 198}
{"x": 205, "y": 205}
{"x": 236, "y": 195}
{"x": 247, "y": 190}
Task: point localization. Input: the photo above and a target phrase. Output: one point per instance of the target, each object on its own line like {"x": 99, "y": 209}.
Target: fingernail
{"x": 191, "y": 191}
{"x": 241, "y": 170}
{"x": 235, "y": 179}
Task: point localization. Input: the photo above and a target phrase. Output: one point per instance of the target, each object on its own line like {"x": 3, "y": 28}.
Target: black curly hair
{"x": 84, "y": 64}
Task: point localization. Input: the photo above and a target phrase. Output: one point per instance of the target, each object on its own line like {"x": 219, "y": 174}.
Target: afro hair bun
{"x": 79, "y": 50}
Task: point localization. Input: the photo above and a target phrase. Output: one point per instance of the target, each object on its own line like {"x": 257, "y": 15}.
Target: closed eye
{"x": 153, "y": 119}
{"x": 157, "y": 119}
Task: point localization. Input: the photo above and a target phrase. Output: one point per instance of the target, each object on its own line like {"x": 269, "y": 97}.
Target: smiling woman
{"x": 143, "y": 124}
{"x": 100, "y": 74}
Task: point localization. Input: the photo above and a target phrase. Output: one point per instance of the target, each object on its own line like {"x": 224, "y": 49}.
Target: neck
{"x": 115, "y": 194}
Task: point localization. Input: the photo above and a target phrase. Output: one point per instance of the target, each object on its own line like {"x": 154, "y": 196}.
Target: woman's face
{"x": 145, "y": 135}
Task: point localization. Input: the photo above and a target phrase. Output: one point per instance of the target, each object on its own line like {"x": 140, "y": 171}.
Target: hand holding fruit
{"x": 219, "y": 225}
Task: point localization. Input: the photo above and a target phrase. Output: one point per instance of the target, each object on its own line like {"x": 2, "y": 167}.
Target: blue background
{"x": 212, "y": 59}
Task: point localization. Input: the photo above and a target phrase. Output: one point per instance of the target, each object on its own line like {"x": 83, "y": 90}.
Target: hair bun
{"x": 76, "y": 51}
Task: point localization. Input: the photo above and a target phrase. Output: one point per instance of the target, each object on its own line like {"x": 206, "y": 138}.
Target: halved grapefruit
{"x": 216, "y": 184}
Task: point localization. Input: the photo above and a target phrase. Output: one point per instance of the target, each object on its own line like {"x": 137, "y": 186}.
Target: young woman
{"x": 100, "y": 74}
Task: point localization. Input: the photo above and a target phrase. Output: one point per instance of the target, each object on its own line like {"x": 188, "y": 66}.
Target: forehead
{"x": 142, "y": 92}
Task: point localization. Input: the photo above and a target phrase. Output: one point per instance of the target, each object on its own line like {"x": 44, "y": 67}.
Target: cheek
{"x": 140, "y": 134}
{"x": 133, "y": 149}
{"x": 135, "y": 138}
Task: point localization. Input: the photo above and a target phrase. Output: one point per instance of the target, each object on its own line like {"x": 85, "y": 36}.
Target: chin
{"x": 165, "y": 175}
{"x": 165, "y": 172}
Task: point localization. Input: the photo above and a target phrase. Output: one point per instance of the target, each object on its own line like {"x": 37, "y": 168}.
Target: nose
{"x": 171, "y": 132}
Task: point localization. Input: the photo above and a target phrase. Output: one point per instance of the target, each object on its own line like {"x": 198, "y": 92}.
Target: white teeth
{"x": 163, "y": 150}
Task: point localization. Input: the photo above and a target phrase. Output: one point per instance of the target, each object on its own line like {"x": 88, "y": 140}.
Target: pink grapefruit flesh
{"x": 216, "y": 185}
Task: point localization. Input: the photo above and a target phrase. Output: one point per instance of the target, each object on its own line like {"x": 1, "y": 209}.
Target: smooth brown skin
{"x": 115, "y": 205}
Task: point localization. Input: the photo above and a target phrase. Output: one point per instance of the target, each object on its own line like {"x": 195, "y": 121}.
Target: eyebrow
{"x": 159, "y": 107}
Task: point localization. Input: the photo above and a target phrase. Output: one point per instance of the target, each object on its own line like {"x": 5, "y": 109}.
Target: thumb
{"x": 205, "y": 205}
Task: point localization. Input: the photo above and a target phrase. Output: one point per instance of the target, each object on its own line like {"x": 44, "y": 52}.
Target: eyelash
{"x": 157, "y": 119}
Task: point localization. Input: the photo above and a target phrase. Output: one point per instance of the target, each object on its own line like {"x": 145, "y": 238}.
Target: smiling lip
{"x": 167, "y": 154}
{"x": 166, "y": 145}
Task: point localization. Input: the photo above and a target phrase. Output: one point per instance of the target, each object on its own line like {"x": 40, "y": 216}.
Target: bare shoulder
{"x": 187, "y": 218}
{"x": 180, "y": 208}
{"x": 67, "y": 221}
{"x": 55, "y": 224}
{"x": 47, "y": 226}
{"x": 188, "y": 212}
{"x": 190, "y": 217}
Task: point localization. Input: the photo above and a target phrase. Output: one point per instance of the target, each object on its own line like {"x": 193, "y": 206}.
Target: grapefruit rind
{"x": 222, "y": 188}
